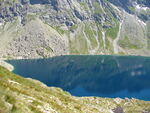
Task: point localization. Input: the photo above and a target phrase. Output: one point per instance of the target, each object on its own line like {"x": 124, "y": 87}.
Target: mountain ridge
{"x": 45, "y": 28}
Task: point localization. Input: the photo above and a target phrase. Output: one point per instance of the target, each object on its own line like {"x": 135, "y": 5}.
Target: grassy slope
{"x": 20, "y": 95}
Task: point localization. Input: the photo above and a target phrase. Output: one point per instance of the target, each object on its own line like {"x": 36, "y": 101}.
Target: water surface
{"x": 104, "y": 76}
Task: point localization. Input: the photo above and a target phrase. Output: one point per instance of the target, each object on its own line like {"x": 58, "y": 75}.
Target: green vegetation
{"x": 84, "y": 5}
{"x": 74, "y": 27}
{"x": 109, "y": 46}
{"x": 98, "y": 9}
{"x": 132, "y": 9}
{"x": 79, "y": 45}
{"x": 100, "y": 38}
{"x": 60, "y": 30}
{"x": 31, "y": 17}
{"x": 148, "y": 29}
{"x": 148, "y": 35}
{"x": 87, "y": 33}
{"x": 126, "y": 43}
{"x": 112, "y": 32}
{"x": 90, "y": 33}
{"x": 25, "y": 95}
{"x": 148, "y": 43}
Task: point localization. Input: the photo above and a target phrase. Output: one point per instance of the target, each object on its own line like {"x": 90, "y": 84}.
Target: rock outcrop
{"x": 6, "y": 65}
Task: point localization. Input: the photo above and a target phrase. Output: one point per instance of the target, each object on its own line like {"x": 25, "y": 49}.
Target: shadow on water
{"x": 105, "y": 76}
{"x": 51, "y": 2}
{"x": 38, "y": 2}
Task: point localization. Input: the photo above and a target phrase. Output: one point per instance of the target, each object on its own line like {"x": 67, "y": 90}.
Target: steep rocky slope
{"x": 20, "y": 95}
{"x": 44, "y": 28}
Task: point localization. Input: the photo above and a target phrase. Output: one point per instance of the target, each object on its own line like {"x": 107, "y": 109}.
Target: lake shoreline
{"x": 82, "y": 72}
{"x": 113, "y": 55}
{"x": 6, "y": 65}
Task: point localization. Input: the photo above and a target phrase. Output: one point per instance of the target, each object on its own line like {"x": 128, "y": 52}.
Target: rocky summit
{"x": 45, "y": 28}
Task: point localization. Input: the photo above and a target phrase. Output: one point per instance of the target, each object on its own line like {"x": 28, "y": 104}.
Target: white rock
{"x": 6, "y": 65}
{"x": 1, "y": 24}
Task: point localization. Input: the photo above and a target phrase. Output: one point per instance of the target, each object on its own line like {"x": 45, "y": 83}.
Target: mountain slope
{"x": 44, "y": 28}
{"x": 19, "y": 95}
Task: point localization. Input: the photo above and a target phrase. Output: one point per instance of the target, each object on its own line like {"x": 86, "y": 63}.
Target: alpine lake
{"x": 100, "y": 76}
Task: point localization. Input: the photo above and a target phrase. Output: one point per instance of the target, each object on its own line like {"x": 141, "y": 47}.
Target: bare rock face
{"x": 44, "y": 28}
{"x": 37, "y": 40}
{"x": 118, "y": 110}
{"x": 10, "y": 9}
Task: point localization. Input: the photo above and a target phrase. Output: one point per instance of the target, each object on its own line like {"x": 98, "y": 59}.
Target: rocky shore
{"x": 6, "y": 65}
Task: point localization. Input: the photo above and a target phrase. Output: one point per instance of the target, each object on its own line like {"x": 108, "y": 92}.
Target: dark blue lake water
{"x": 104, "y": 76}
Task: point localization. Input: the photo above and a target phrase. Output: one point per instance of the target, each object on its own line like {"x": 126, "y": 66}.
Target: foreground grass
{"x": 20, "y": 95}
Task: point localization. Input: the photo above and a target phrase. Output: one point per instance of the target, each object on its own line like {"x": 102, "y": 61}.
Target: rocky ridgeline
{"x": 45, "y": 28}
{"x": 9, "y": 9}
